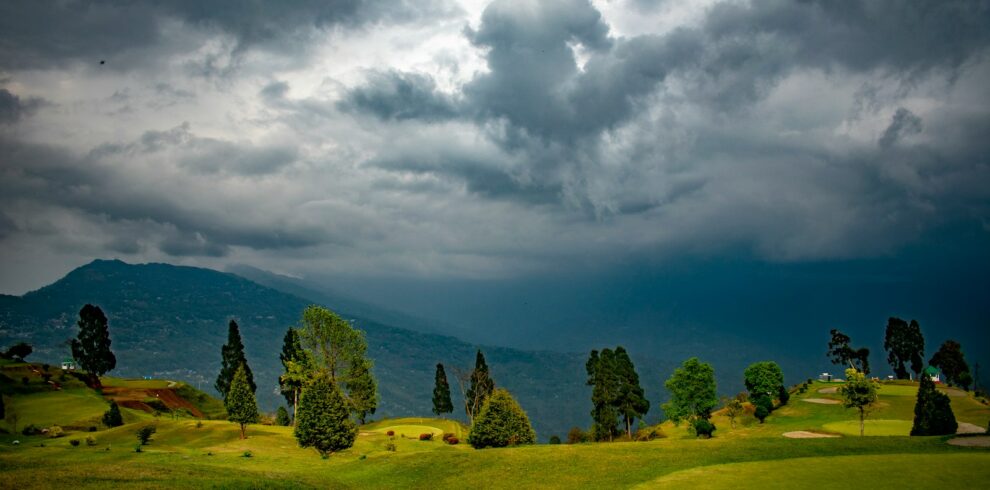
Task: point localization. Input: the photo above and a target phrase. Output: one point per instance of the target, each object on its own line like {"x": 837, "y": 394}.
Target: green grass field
{"x": 188, "y": 453}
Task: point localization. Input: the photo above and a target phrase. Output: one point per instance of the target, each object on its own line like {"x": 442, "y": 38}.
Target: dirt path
{"x": 978, "y": 441}
{"x": 803, "y": 434}
{"x": 822, "y": 401}
{"x": 968, "y": 428}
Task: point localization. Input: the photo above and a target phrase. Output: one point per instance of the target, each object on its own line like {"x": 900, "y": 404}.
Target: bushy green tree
{"x": 112, "y": 417}
{"x": 763, "y": 380}
{"x": 842, "y": 354}
{"x": 144, "y": 434}
{"x": 18, "y": 351}
{"x": 480, "y": 387}
{"x": 231, "y": 359}
{"x": 441, "y": 392}
{"x": 904, "y": 344}
{"x": 762, "y": 411}
{"x": 733, "y": 408}
{"x": 692, "y": 391}
{"x": 950, "y": 359}
{"x": 703, "y": 428}
{"x": 860, "y": 393}
{"x": 91, "y": 348}
{"x": 500, "y": 423}
{"x": 240, "y": 402}
{"x": 282, "y": 417}
{"x": 324, "y": 421}
{"x": 932, "y": 412}
{"x": 339, "y": 351}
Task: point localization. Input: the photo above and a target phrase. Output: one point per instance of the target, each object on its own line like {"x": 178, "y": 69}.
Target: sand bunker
{"x": 803, "y": 434}
{"x": 968, "y": 428}
{"x": 978, "y": 441}
{"x": 834, "y": 389}
{"x": 823, "y": 401}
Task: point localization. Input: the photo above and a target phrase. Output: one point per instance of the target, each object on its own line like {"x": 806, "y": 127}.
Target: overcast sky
{"x": 476, "y": 140}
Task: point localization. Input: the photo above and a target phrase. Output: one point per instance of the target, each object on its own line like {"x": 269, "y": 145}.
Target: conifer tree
{"x": 92, "y": 347}
{"x": 282, "y": 416}
{"x": 291, "y": 352}
{"x": 362, "y": 388}
{"x": 605, "y": 382}
{"x": 232, "y": 358}
{"x": 631, "y": 402}
{"x": 481, "y": 386}
{"x": 112, "y": 417}
{"x": 324, "y": 421}
{"x": 932, "y": 412}
{"x": 501, "y": 422}
{"x": 441, "y": 392}
{"x": 240, "y": 402}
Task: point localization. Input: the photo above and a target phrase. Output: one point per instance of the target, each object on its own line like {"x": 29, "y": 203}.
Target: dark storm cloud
{"x": 399, "y": 96}
{"x": 904, "y": 123}
{"x": 13, "y": 108}
{"x": 47, "y": 33}
{"x": 188, "y": 223}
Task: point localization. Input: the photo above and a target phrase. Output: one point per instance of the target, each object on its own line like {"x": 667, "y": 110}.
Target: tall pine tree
{"x": 932, "y": 412}
{"x": 480, "y": 388}
{"x": 291, "y": 351}
{"x": 604, "y": 380}
{"x": 441, "y": 392}
{"x": 92, "y": 347}
{"x": 362, "y": 389}
{"x": 232, "y": 354}
{"x": 324, "y": 420}
{"x": 240, "y": 402}
{"x": 631, "y": 402}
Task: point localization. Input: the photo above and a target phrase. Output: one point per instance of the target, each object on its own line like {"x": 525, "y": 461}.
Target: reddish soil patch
{"x": 134, "y": 398}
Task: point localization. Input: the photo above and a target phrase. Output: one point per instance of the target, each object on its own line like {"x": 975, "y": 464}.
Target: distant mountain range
{"x": 169, "y": 322}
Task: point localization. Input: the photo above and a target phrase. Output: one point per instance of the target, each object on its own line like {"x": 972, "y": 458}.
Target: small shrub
{"x": 453, "y": 441}
{"x": 31, "y": 430}
{"x": 704, "y": 428}
{"x": 144, "y": 433}
{"x": 363, "y": 457}
{"x": 761, "y": 413}
{"x": 648, "y": 434}
{"x": 112, "y": 417}
{"x": 92, "y": 428}
{"x": 138, "y": 449}
{"x": 247, "y": 454}
{"x": 55, "y": 431}
{"x": 74, "y": 442}
{"x": 576, "y": 436}
{"x": 90, "y": 441}
{"x": 47, "y": 377}
{"x": 199, "y": 424}
{"x": 282, "y": 417}
{"x": 428, "y": 436}
{"x": 554, "y": 440}
{"x": 390, "y": 446}
{"x": 390, "y": 433}
{"x": 447, "y": 435}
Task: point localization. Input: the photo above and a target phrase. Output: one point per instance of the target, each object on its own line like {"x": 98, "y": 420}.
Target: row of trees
{"x": 616, "y": 393}
{"x": 905, "y": 347}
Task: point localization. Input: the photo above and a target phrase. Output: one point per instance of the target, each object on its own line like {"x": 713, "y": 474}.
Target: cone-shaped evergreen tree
{"x": 500, "y": 423}
{"x": 282, "y": 417}
{"x": 292, "y": 351}
{"x": 631, "y": 402}
{"x": 240, "y": 402}
{"x": 112, "y": 417}
{"x": 605, "y": 382}
{"x": 92, "y": 347}
{"x": 324, "y": 420}
{"x": 441, "y": 392}
{"x": 481, "y": 386}
{"x": 932, "y": 413}
{"x": 232, "y": 358}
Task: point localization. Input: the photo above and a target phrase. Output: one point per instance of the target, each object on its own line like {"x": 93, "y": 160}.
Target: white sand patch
{"x": 823, "y": 401}
{"x": 978, "y": 441}
{"x": 968, "y": 428}
{"x": 828, "y": 391}
{"x": 803, "y": 434}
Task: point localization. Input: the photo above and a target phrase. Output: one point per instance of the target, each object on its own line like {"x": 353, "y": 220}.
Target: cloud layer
{"x": 486, "y": 140}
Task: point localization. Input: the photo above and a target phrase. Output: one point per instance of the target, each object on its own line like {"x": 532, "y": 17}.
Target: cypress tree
{"x": 501, "y": 422}
{"x": 932, "y": 412}
{"x": 282, "y": 416}
{"x": 92, "y": 347}
{"x": 240, "y": 402}
{"x": 605, "y": 383}
{"x": 631, "y": 402}
{"x": 324, "y": 420}
{"x": 112, "y": 417}
{"x": 291, "y": 352}
{"x": 480, "y": 388}
{"x": 232, "y": 358}
{"x": 441, "y": 392}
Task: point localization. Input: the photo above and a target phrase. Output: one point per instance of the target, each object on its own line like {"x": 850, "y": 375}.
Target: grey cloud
{"x": 13, "y": 108}
{"x": 902, "y": 124}
{"x": 399, "y": 96}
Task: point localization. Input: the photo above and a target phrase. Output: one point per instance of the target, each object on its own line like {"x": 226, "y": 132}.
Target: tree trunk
{"x": 242, "y": 432}
{"x": 295, "y": 406}
{"x": 628, "y": 427}
{"x": 862, "y": 423}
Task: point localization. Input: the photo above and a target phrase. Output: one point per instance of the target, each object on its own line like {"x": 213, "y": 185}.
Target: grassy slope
{"x": 182, "y": 454}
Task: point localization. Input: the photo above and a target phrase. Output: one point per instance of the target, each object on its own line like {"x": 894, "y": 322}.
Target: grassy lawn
{"x": 874, "y": 427}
